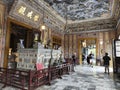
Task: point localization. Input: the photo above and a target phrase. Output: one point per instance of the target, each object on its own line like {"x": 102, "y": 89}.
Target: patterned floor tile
{"x": 84, "y": 78}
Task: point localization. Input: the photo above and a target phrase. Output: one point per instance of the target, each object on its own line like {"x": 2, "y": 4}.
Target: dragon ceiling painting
{"x": 85, "y": 15}
{"x": 80, "y": 15}
{"x": 82, "y": 9}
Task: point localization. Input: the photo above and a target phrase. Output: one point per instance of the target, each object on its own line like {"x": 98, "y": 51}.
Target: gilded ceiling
{"x": 81, "y": 9}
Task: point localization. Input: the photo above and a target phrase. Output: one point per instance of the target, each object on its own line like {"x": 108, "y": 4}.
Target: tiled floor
{"x": 84, "y": 78}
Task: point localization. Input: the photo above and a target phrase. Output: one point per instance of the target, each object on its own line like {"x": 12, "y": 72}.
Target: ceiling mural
{"x": 84, "y": 15}
{"x": 81, "y": 9}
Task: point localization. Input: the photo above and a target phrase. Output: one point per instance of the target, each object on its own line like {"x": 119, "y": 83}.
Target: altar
{"x": 30, "y": 58}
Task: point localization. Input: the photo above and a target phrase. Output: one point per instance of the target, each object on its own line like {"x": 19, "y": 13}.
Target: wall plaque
{"x": 25, "y": 13}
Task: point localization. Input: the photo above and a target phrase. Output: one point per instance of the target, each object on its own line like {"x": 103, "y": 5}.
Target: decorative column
{"x": 2, "y": 32}
{"x": 101, "y": 45}
{"x": 45, "y": 37}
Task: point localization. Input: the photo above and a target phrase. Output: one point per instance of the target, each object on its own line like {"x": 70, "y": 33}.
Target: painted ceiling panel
{"x": 81, "y": 9}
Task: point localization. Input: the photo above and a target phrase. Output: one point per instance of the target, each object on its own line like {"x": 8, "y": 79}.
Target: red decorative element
{"x": 39, "y": 66}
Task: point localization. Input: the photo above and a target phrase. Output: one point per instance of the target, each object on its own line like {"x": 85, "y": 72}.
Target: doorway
{"x": 87, "y": 46}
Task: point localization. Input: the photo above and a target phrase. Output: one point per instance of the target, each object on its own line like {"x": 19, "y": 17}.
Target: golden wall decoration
{"x": 23, "y": 12}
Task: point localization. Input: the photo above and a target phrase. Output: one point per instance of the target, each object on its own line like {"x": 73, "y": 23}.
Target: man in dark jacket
{"x": 106, "y": 59}
{"x": 74, "y": 61}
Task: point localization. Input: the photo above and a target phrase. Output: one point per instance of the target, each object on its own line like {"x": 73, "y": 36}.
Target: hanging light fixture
{"x": 43, "y": 24}
{"x": 84, "y": 43}
{"x": 43, "y": 27}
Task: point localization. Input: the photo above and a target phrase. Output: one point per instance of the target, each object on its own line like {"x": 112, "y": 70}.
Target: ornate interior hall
{"x": 41, "y": 41}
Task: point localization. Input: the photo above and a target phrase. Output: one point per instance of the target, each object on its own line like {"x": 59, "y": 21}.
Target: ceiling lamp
{"x": 43, "y": 27}
{"x": 84, "y": 43}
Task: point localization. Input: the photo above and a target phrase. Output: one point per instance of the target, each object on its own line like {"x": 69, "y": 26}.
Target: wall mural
{"x": 81, "y": 9}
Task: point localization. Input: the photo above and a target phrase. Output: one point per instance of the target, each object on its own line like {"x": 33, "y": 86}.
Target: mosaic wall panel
{"x": 110, "y": 36}
{"x": 66, "y": 46}
{"x": 45, "y": 37}
{"x": 63, "y": 44}
{"x": 106, "y": 34}
{"x": 74, "y": 43}
{"x": 50, "y": 35}
{"x": 70, "y": 45}
{"x": 104, "y": 43}
{"x": 100, "y": 43}
{"x": 105, "y": 40}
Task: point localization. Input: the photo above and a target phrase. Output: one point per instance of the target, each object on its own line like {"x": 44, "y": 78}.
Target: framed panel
{"x": 117, "y": 48}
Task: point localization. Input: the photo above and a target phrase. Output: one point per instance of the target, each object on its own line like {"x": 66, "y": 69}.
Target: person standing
{"x": 106, "y": 60}
{"x": 74, "y": 60}
{"x": 83, "y": 58}
{"x": 88, "y": 59}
